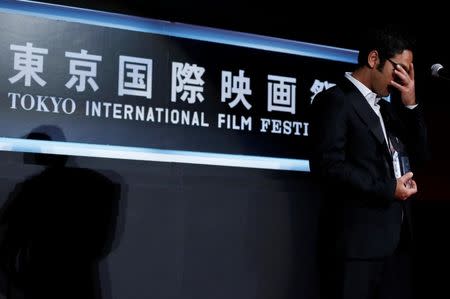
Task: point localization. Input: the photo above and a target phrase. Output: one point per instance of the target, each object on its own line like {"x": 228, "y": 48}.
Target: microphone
{"x": 438, "y": 71}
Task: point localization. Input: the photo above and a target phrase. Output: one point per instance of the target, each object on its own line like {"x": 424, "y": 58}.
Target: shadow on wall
{"x": 55, "y": 227}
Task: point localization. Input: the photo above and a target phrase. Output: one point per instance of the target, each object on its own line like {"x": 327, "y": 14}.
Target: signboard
{"x": 127, "y": 87}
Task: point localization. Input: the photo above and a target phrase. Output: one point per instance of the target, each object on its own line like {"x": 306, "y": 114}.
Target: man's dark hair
{"x": 388, "y": 41}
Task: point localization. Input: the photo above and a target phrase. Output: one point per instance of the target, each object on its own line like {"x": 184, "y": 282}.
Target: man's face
{"x": 382, "y": 84}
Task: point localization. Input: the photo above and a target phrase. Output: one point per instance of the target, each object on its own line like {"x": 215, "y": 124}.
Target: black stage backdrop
{"x": 175, "y": 230}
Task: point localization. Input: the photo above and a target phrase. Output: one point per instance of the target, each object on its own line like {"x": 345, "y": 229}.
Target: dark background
{"x": 192, "y": 231}
{"x": 320, "y": 23}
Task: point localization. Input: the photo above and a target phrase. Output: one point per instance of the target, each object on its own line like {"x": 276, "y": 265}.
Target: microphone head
{"x": 435, "y": 68}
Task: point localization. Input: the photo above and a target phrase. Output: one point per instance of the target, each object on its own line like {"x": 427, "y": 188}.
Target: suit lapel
{"x": 364, "y": 111}
{"x": 369, "y": 117}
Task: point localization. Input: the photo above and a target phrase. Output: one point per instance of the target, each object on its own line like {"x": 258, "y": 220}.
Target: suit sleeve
{"x": 416, "y": 137}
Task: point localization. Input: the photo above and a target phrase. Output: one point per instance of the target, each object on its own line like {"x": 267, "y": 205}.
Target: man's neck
{"x": 362, "y": 74}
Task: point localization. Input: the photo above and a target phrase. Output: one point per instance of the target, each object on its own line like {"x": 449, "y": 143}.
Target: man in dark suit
{"x": 362, "y": 146}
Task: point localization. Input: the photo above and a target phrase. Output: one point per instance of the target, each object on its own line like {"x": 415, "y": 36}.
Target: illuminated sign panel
{"x": 134, "y": 88}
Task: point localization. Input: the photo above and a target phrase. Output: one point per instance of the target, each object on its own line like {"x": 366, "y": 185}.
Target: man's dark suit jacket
{"x": 350, "y": 157}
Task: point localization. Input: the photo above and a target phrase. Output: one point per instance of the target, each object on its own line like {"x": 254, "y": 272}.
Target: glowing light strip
{"x": 149, "y": 154}
{"x": 114, "y": 20}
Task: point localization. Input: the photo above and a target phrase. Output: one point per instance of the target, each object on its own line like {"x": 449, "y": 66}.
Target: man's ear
{"x": 372, "y": 59}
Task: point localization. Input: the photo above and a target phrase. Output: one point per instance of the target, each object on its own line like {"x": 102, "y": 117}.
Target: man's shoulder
{"x": 333, "y": 93}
